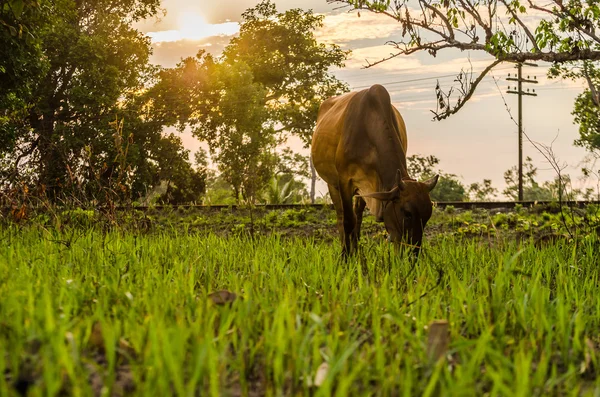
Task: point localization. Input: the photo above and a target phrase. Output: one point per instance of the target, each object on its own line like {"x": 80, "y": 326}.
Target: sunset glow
{"x": 194, "y": 27}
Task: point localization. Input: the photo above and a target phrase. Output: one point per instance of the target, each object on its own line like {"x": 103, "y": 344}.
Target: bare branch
{"x": 523, "y": 26}
{"x": 442, "y": 17}
{"x": 469, "y": 93}
{"x": 475, "y": 14}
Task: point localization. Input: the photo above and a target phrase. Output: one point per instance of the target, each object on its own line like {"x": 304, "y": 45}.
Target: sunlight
{"x": 194, "y": 27}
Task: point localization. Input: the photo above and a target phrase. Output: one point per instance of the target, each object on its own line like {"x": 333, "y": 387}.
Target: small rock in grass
{"x": 437, "y": 340}
{"x": 222, "y": 297}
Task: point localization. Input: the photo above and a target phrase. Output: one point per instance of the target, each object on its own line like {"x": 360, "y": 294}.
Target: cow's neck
{"x": 391, "y": 158}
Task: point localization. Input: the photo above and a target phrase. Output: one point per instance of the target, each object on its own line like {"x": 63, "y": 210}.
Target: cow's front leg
{"x": 334, "y": 193}
{"x": 359, "y": 208}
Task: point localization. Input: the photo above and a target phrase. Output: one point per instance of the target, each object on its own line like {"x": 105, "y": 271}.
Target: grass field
{"x": 87, "y": 312}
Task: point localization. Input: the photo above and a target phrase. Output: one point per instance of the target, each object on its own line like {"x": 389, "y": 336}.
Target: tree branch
{"x": 473, "y": 12}
{"x": 581, "y": 25}
{"x": 469, "y": 93}
{"x": 26, "y": 153}
{"x": 566, "y": 35}
{"x": 523, "y": 26}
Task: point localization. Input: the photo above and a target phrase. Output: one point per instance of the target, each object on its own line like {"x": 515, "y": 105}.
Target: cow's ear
{"x": 399, "y": 182}
{"x": 383, "y": 196}
{"x": 430, "y": 183}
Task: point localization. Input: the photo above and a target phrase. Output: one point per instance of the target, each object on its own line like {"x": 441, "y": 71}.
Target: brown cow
{"x": 359, "y": 147}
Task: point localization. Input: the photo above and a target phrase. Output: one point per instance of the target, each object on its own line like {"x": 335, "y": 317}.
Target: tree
{"x": 21, "y": 64}
{"x": 74, "y": 108}
{"x": 482, "y": 191}
{"x": 240, "y": 134}
{"x": 185, "y": 184}
{"x": 90, "y": 59}
{"x": 269, "y": 81}
{"x": 586, "y": 110}
{"x": 562, "y": 31}
{"x": 568, "y": 192}
{"x": 420, "y": 167}
{"x": 286, "y": 58}
{"x": 531, "y": 188}
{"x": 218, "y": 191}
{"x": 448, "y": 188}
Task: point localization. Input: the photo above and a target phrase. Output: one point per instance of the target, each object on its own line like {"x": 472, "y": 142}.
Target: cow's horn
{"x": 383, "y": 196}
{"x": 430, "y": 183}
{"x": 399, "y": 180}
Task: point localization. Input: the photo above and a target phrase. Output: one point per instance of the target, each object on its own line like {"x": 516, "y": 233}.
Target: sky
{"x": 478, "y": 142}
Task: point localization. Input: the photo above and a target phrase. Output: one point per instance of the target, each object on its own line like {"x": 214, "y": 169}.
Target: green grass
{"x": 130, "y": 314}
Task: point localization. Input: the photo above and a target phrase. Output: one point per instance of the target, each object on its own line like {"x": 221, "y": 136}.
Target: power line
{"x": 407, "y": 81}
{"x": 420, "y": 79}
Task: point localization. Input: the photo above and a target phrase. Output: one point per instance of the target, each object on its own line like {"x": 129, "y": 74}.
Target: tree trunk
{"x": 51, "y": 167}
{"x": 313, "y": 180}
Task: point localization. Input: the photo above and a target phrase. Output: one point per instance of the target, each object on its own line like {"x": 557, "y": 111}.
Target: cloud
{"x": 412, "y": 64}
{"x": 348, "y": 26}
{"x": 169, "y": 53}
{"x": 216, "y": 12}
{"x": 360, "y": 57}
{"x": 194, "y": 28}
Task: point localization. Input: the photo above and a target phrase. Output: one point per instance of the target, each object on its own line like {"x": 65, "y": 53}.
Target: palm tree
{"x": 278, "y": 194}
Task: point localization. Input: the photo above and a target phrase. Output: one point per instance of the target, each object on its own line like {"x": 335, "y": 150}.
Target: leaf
{"x": 17, "y": 8}
{"x": 222, "y": 297}
{"x": 13, "y": 31}
{"x": 438, "y": 340}
{"x": 126, "y": 348}
{"x": 589, "y": 350}
{"x": 321, "y": 374}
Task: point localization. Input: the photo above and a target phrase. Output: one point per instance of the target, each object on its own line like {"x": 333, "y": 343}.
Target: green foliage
{"x": 73, "y": 68}
{"x": 420, "y": 167}
{"x": 219, "y": 192}
{"x": 284, "y": 190}
{"x": 482, "y": 191}
{"x": 448, "y": 188}
{"x": 294, "y": 164}
{"x": 586, "y": 110}
{"x": 531, "y": 188}
{"x": 500, "y": 219}
{"x": 22, "y": 63}
{"x": 282, "y": 51}
{"x": 240, "y": 136}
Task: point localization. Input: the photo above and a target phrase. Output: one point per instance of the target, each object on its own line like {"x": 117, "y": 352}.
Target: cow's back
{"x": 333, "y": 127}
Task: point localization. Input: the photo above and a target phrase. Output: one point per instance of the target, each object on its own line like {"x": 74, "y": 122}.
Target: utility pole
{"x": 519, "y": 91}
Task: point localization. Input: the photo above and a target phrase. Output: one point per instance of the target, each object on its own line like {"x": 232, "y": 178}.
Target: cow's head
{"x": 406, "y": 209}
